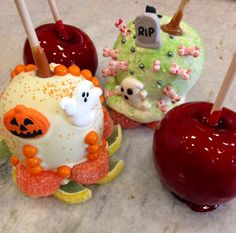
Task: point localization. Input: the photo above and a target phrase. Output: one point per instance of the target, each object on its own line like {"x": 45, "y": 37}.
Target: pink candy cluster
{"x": 189, "y": 51}
{"x": 175, "y": 69}
{"x": 122, "y": 27}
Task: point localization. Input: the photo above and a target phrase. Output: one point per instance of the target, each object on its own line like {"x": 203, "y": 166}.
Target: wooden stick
{"x": 40, "y": 59}
{"x": 182, "y": 5}
{"x": 54, "y": 10}
{"x": 58, "y": 20}
{"x": 224, "y": 89}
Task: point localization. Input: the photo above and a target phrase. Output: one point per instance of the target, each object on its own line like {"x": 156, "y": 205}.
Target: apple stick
{"x": 173, "y": 27}
{"x": 58, "y": 20}
{"x": 224, "y": 89}
{"x": 40, "y": 59}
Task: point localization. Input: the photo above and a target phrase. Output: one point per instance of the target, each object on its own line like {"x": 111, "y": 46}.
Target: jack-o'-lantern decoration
{"x": 26, "y": 122}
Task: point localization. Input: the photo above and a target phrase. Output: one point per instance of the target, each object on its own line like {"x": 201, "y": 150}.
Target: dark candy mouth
{"x": 28, "y": 135}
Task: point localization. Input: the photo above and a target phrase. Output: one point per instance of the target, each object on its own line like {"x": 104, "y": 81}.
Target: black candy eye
{"x": 85, "y": 99}
{"x": 126, "y": 97}
{"x": 122, "y": 89}
{"x": 83, "y": 94}
{"x": 27, "y": 121}
{"x": 87, "y": 94}
{"x": 129, "y": 91}
{"x": 14, "y": 122}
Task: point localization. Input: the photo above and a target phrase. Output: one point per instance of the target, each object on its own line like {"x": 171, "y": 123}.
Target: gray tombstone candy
{"x": 147, "y": 28}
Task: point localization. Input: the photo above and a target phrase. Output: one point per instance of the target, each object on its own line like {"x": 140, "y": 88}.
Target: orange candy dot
{"x": 60, "y": 70}
{"x": 91, "y": 138}
{"x": 29, "y": 151}
{"x": 35, "y": 170}
{"x": 14, "y": 160}
{"x": 102, "y": 99}
{"x": 34, "y": 162}
{"x": 74, "y": 70}
{"x": 13, "y": 74}
{"x": 93, "y": 156}
{"x": 93, "y": 149}
{"x": 30, "y": 67}
{"x": 95, "y": 82}
{"x": 64, "y": 171}
{"x": 87, "y": 74}
{"x": 20, "y": 68}
{"x": 104, "y": 142}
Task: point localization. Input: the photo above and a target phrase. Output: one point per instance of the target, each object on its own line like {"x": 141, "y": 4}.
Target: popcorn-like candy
{"x": 156, "y": 65}
{"x": 108, "y": 73}
{"x": 113, "y": 53}
{"x": 161, "y": 105}
{"x": 119, "y": 65}
{"x": 120, "y": 24}
{"x": 183, "y": 73}
{"x": 168, "y": 90}
{"x": 189, "y": 51}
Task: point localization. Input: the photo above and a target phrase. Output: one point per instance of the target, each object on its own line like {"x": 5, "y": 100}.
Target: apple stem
{"x": 40, "y": 59}
{"x": 216, "y": 110}
{"x": 58, "y": 20}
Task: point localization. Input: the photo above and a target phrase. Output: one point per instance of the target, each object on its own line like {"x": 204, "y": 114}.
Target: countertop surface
{"x": 136, "y": 201}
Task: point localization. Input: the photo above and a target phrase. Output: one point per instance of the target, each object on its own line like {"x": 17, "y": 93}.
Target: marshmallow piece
{"x": 156, "y": 65}
{"x": 119, "y": 65}
{"x": 81, "y": 107}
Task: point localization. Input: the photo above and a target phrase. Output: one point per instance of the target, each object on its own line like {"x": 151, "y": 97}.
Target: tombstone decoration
{"x": 147, "y": 28}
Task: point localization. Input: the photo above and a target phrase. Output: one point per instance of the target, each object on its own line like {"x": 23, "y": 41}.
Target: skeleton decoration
{"x": 80, "y": 108}
{"x": 134, "y": 94}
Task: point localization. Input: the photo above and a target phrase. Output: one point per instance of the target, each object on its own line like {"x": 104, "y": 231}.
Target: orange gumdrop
{"x": 87, "y": 74}
{"x": 13, "y": 74}
{"x": 29, "y": 151}
{"x": 14, "y": 160}
{"x": 95, "y": 82}
{"x": 35, "y": 170}
{"x": 91, "y": 138}
{"x": 30, "y": 67}
{"x": 34, "y": 162}
{"x": 93, "y": 149}
{"x": 60, "y": 70}
{"x": 74, "y": 70}
{"x": 93, "y": 156}
{"x": 64, "y": 171}
{"x": 20, "y": 68}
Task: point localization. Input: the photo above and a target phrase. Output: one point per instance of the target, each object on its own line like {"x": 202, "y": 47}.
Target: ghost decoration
{"x": 133, "y": 93}
{"x": 80, "y": 108}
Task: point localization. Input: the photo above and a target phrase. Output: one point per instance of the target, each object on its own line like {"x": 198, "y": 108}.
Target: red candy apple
{"x": 195, "y": 161}
{"x": 78, "y": 49}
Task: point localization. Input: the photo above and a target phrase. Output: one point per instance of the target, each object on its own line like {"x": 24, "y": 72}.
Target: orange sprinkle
{"x": 102, "y": 99}
{"x": 95, "y": 82}
{"x": 74, "y": 70}
{"x": 64, "y": 171}
{"x": 93, "y": 149}
{"x": 91, "y": 138}
{"x": 87, "y": 74}
{"x": 35, "y": 170}
{"x": 30, "y": 67}
{"x": 14, "y": 160}
{"x": 20, "y": 68}
{"x": 34, "y": 162}
{"x": 29, "y": 151}
{"x": 92, "y": 156}
{"x": 60, "y": 70}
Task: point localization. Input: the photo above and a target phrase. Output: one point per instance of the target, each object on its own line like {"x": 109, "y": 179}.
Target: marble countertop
{"x": 135, "y": 202}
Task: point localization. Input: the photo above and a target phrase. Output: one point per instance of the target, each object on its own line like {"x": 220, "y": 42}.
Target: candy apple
{"x": 78, "y": 49}
{"x": 196, "y": 161}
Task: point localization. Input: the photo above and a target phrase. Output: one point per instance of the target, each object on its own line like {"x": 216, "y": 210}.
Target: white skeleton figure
{"x": 80, "y": 108}
{"x": 134, "y": 94}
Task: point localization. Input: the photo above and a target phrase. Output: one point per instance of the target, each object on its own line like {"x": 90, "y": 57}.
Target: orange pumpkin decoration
{"x": 26, "y": 122}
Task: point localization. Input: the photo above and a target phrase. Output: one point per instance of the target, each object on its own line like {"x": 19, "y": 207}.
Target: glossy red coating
{"x": 195, "y": 161}
{"x": 78, "y": 50}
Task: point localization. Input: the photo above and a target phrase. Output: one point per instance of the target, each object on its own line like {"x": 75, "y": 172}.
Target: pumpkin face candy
{"x": 54, "y": 127}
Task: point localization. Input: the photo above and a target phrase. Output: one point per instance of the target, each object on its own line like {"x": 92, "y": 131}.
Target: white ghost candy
{"x": 80, "y": 108}
{"x": 133, "y": 92}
